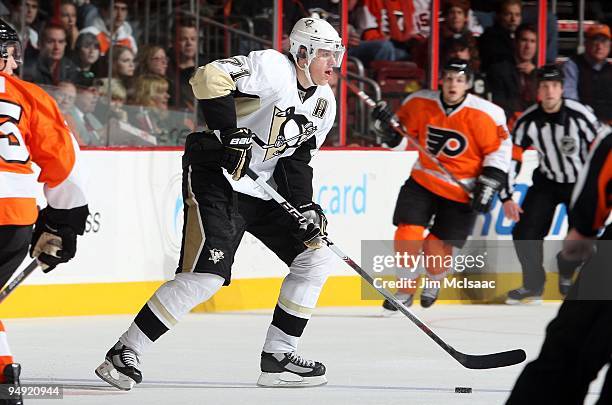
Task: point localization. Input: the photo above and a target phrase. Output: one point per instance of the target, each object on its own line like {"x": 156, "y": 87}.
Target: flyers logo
{"x": 288, "y": 130}
{"x": 445, "y": 142}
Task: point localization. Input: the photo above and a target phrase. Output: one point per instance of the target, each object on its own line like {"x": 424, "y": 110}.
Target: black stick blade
{"x": 495, "y": 360}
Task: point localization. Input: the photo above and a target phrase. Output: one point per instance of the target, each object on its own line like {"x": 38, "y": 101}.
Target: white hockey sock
{"x": 167, "y": 306}
{"x": 278, "y": 341}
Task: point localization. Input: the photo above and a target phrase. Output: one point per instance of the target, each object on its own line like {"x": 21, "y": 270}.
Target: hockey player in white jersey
{"x": 284, "y": 105}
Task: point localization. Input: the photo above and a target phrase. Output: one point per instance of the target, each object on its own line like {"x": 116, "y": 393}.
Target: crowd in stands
{"x": 116, "y": 86}
{"x": 111, "y": 88}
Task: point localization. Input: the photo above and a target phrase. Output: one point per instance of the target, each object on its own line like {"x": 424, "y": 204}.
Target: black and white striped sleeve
{"x": 522, "y": 141}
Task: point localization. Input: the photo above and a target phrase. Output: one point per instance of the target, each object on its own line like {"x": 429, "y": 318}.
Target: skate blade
{"x": 107, "y": 372}
{"x": 524, "y": 301}
{"x": 387, "y": 313}
{"x": 289, "y": 380}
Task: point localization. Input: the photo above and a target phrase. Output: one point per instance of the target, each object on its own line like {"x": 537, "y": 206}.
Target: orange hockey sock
{"x": 437, "y": 253}
{"x": 409, "y": 240}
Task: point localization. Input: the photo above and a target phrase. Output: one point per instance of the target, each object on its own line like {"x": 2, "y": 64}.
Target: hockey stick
{"x": 397, "y": 127}
{"x": 473, "y": 361}
{"x": 19, "y": 279}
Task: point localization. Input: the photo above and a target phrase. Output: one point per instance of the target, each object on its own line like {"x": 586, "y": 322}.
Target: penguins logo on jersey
{"x": 288, "y": 130}
{"x": 444, "y": 141}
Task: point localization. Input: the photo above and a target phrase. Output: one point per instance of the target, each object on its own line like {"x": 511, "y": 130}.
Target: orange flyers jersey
{"x": 592, "y": 196}
{"x": 32, "y": 129}
{"x": 472, "y": 136}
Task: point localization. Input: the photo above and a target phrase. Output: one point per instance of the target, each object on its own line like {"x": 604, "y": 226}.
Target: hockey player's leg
{"x": 414, "y": 209}
{"x": 164, "y": 309}
{"x": 528, "y": 235}
{"x": 207, "y": 252}
{"x": 435, "y": 251}
{"x": 453, "y": 223}
{"x": 280, "y": 365}
{"x": 408, "y": 240}
{"x": 9, "y": 372}
{"x": 14, "y": 243}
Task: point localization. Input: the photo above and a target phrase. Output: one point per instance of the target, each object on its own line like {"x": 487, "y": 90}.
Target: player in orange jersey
{"x": 468, "y": 136}
{"x": 32, "y": 129}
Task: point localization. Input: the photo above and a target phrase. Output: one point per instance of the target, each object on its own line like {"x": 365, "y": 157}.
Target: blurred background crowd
{"x": 120, "y": 69}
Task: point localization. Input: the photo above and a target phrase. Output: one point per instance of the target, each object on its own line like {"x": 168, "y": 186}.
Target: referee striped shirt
{"x": 562, "y": 139}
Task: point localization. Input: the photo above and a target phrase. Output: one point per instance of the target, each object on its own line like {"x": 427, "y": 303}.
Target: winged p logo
{"x": 442, "y": 141}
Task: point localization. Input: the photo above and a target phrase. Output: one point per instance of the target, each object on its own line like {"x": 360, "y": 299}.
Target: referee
{"x": 578, "y": 341}
{"x": 561, "y": 130}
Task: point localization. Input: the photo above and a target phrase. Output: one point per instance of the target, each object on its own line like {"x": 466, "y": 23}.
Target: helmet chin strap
{"x": 306, "y": 70}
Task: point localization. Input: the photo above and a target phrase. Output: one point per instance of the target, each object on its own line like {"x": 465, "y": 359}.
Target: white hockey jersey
{"x": 269, "y": 103}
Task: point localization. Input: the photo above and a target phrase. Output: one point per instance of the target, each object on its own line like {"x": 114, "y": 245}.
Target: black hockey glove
{"x": 52, "y": 244}
{"x": 312, "y": 232}
{"x": 236, "y": 151}
{"x": 382, "y": 116}
{"x": 382, "y": 113}
{"x": 490, "y": 181}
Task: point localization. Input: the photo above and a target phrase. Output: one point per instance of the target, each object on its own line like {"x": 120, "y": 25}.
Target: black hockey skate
{"x": 429, "y": 295}
{"x": 290, "y": 370}
{"x": 11, "y": 379}
{"x": 389, "y": 309}
{"x": 524, "y": 296}
{"x": 120, "y": 368}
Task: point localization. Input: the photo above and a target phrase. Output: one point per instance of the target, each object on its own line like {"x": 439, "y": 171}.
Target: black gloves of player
{"x": 490, "y": 181}
{"x": 52, "y": 244}
{"x": 382, "y": 116}
{"x": 312, "y": 232}
{"x": 236, "y": 151}
{"x": 382, "y": 113}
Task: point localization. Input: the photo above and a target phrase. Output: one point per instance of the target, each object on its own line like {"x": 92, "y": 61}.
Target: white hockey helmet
{"x": 311, "y": 34}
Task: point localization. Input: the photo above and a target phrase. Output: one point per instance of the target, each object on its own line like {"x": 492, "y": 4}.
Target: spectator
{"x": 152, "y": 59}
{"x": 151, "y": 94}
{"x": 456, "y": 27}
{"x": 366, "y": 50}
{"x": 400, "y": 21}
{"x": 150, "y": 91}
{"x": 111, "y": 104}
{"x": 87, "y": 14}
{"x": 29, "y": 33}
{"x": 65, "y": 96}
{"x": 513, "y": 84}
{"x": 183, "y": 63}
{"x": 87, "y": 128}
{"x": 123, "y": 66}
{"x": 120, "y": 32}
{"x": 497, "y": 42}
{"x": 589, "y": 76}
{"x": 68, "y": 19}
{"x": 86, "y": 52}
{"x": 51, "y": 66}
{"x": 459, "y": 20}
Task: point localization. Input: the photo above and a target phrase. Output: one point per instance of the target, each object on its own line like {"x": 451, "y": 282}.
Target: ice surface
{"x": 214, "y": 358}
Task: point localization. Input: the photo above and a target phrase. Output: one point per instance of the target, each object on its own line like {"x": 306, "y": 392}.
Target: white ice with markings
{"x": 214, "y": 358}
